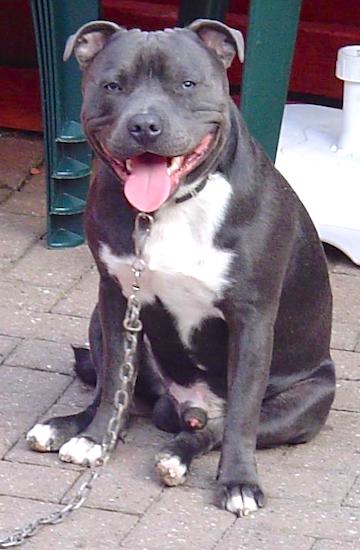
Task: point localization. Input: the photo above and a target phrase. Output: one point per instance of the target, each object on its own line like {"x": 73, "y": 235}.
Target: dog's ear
{"x": 223, "y": 40}
{"x": 89, "y": 40}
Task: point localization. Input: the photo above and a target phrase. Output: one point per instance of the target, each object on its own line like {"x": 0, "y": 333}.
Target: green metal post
{"x": 68, "y": 157}
{"x": 269, "y": 50}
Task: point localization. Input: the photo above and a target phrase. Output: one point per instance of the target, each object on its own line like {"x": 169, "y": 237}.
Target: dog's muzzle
{"x": 149, "y": 179}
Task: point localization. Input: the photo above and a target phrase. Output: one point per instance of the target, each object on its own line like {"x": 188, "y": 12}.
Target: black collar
{"x": 192, "y": 193}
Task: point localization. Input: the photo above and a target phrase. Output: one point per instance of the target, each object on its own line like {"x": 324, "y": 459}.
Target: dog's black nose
{"x": 145, "y": 127}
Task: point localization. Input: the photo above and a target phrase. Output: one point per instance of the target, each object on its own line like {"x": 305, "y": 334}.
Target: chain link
{"x": 127, "y": 376}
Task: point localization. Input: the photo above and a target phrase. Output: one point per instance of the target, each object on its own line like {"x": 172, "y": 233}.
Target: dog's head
{"x": 156, "y": 104}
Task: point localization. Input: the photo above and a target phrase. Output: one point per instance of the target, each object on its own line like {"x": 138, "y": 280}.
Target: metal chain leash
{"x": 133, "y": 326}
{"x": 127, "y": 375}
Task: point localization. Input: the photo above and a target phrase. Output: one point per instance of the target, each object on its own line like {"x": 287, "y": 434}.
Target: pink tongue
{"x": 149, "y": 184}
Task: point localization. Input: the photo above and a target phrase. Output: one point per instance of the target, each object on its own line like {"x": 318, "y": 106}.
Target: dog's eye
{"x": 188, "y": 84}
{"x": 112, "y": 86}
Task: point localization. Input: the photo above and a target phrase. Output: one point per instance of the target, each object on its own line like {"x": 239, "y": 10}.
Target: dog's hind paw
{"x": 81, "y": 450}
{"x": 43, "y": 438}
{"x": 170, "y": 469}
{"x": 241, "y": 500}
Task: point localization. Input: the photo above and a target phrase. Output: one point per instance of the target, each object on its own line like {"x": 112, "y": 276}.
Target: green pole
{"x": 269, "y": 51}
{"x": 68, "y": 156}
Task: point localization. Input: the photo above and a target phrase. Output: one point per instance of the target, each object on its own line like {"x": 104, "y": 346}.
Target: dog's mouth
{"x": 149, "y": 179}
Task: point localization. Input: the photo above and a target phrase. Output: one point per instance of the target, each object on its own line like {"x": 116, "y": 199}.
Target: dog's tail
{"x": 83, "y": 365}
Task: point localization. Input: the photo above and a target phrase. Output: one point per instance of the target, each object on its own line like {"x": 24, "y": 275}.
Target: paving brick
{"x": 326, "y": 544}
{"x": 85, "y": 529}
{"x": 345, "y": 336}
{"x": 76, "y": 397}
{"x": 81, "y": 299}
{"x": 18, "y": 233}
{"x": 52, "y": 268}
{"x": 29, "y": 481}
{"x": 239, "y": 537}
{"x": 128, "y": 483}
{"x": 357, "y": 347}
{"x": 7, "y": 345}
{"x": 46, "y": 326}
{"x": 347, "y": 364}
{"x": 181, "y": 518}
{"x": 89, "y": 281}
{"x": 290, "y": 516}
{"x": 353, "y": 496}
{"x": 336, "y": 448}
{"x": 5, "y": 193}
{"x": 346, "y": 298}
{"x": 43, "y": 355}
{"x": 36, "y": 184}
{"x": 25, "y": 395}
{"x": 18, "y": 154}
{"x": 347, "y": 396}
{"x": 22, "y": 202}
{"x": 26, "y": 296}
{"x": 316, "y": 485}
{"x": 320, "y": 521}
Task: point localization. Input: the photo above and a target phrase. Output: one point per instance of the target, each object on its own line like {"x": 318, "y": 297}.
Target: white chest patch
{"x": 184, "y": 268}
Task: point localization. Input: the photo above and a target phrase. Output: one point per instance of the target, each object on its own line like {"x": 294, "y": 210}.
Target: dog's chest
{"x": 184, "y": 268}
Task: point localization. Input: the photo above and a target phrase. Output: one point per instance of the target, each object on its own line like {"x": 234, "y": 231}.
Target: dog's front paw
{"x": 44, "y": 438}
{"x": 171, "y": 470}
{"x": 81, "y": 450}
{"x": 241, "y": 499}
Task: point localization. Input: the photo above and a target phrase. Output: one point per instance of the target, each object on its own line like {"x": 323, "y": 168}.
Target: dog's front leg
{"x": 86, "y": 447}
{"x": 250, "y": 349}
{"x": 112, "y": 307}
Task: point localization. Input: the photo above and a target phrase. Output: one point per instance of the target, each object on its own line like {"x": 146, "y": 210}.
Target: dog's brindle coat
{"x": 236, "y": 297}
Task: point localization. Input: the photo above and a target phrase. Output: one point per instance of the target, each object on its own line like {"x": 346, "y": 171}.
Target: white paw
{"x": 41, "y": 438}
{"x": 170, "y": 469}
{"x": 241, "y": 502}
{"x": 81, "y": 450}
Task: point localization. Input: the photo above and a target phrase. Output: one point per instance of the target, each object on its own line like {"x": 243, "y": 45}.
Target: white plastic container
{"x": 319, "y": 154}
{"x": 348, "y": 70}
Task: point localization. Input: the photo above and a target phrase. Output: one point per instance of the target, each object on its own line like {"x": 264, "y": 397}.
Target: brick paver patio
{"x": 46, "y": 297}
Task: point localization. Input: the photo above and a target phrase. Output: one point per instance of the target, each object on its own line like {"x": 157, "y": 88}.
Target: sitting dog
{"x": 236, "y": 303}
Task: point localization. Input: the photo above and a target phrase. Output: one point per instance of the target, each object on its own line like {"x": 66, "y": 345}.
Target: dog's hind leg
{"x": 296, "y": 414}
{"x": 84, "y": 366}
{"x": 88, "y": 361}
{"x": 173, "y": 462}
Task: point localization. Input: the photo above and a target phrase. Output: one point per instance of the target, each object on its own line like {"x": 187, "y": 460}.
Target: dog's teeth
{"x": 128, "y": 164}
{"x": 175, "y": 165}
